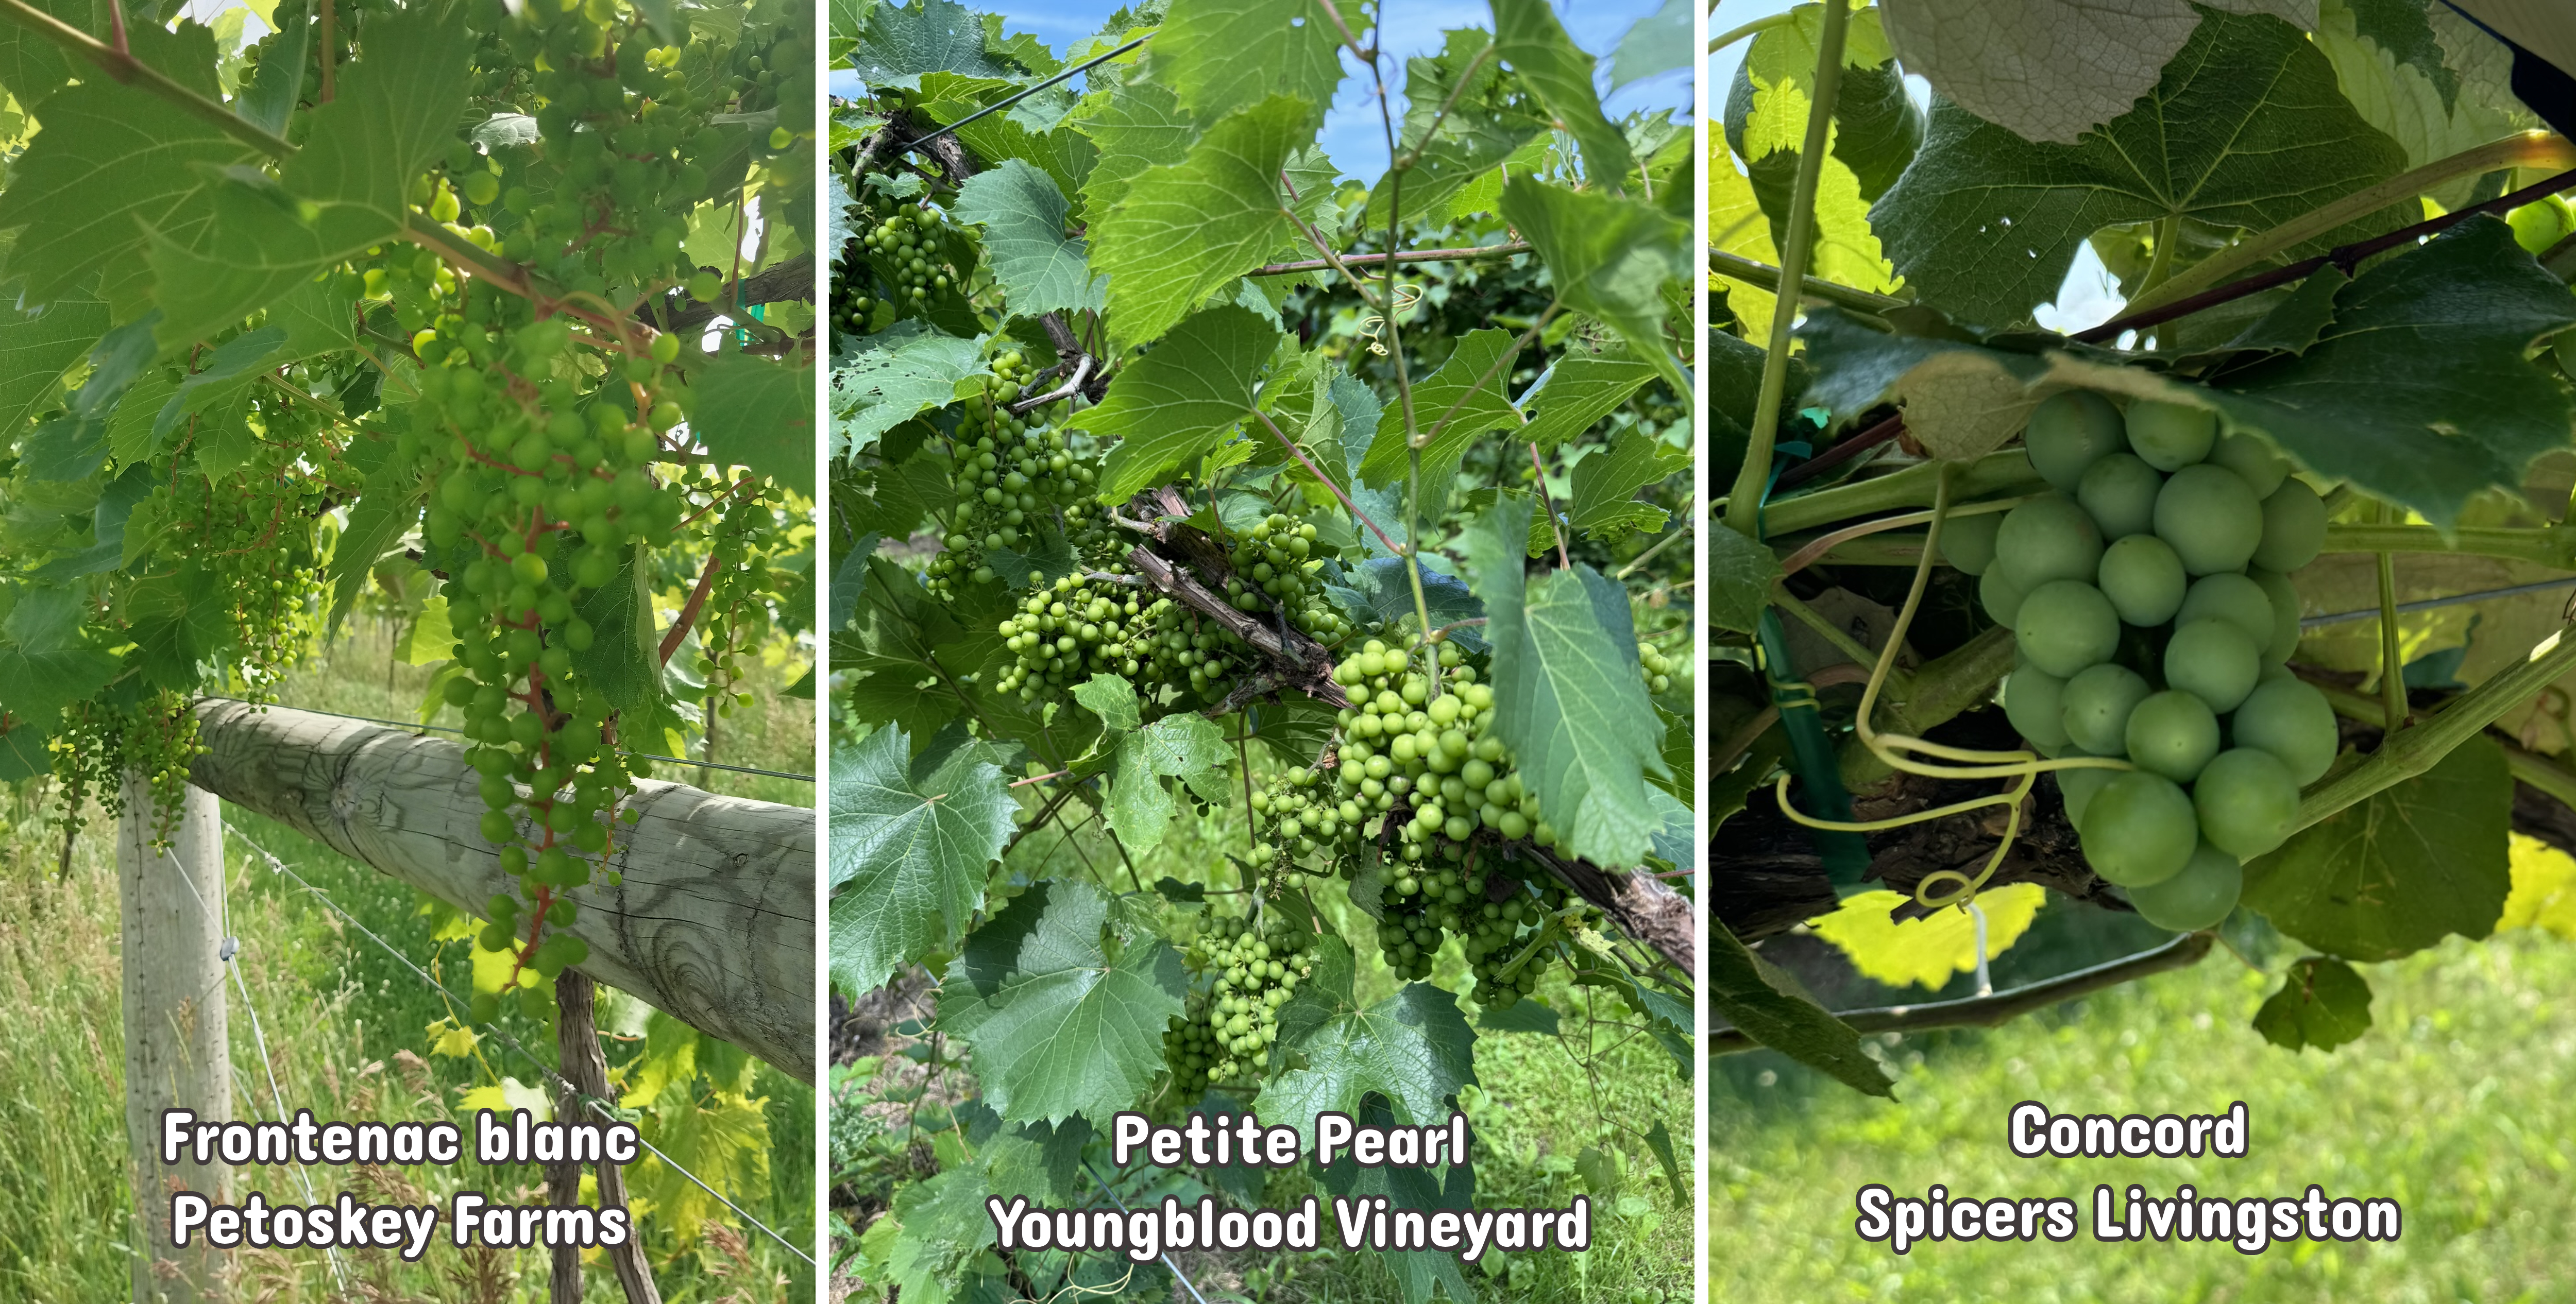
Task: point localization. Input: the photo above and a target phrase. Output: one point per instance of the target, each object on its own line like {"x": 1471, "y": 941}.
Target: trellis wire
{"x": 595, "y": 1104}
{"x": 2428, "y": 604}
{"x": 1112, "y": 1192}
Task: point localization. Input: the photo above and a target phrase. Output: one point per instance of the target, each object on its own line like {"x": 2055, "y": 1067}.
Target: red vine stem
{"x": 1300, "y": 454}
{"x": 689, "y": 614}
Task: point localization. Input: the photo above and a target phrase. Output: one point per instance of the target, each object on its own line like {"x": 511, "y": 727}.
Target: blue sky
{"x": 1352, "y": 137}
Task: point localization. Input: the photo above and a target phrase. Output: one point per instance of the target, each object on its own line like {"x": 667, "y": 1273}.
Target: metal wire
{"x": 603, "y": 1108}
{"x": 2428, "y": 604}
{"x": 999, "y": 105}
{"x": 1112, "y": 1192}
{"x": 451, "y": 729}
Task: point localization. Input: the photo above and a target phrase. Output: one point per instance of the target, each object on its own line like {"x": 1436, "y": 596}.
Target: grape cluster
{"x": 2150, "y": 605}
{"x": 1275, "y": 557}
{"x": 736, "y": 615}
{"x": 1656, "y": 667}
{"x": 1298, "y": 820}
{"x": 97, "y": 745}
{"x": 920, "y": 253}
{"x": 1081, "y": 625}
{"x": 1257, "y": 970}
{"x": 1012, "y": 474}
{"x": 1441, "y": 755}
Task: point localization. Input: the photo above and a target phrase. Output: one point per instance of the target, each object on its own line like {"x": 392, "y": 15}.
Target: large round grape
{"x": 2284, "y": 639}
{"x": 2198, "y": 896}
{"x": 2076, "y": 789}
{"x": 1968, "y": 542}
{"x": 2210, "y": 517}
{"x": 2253, "y": 459}
{"x": 2290, "y": 719}
{"x": 2214, "y": 661}
{"x": 2231, "y": 597}
{"x": 2070, "y": 432}
{"x": 2294, "y": 528}
{"x": 2138, "y": 829}
{"x": 2247, "y": 801}
{"x": 2034, "y": 700}
{"x": 2172, "y": 733}
{"x": 2065, "y": 626}
{"x": 2048, "y": 538}
{"x": 2171, "y": 436}
{"x": 2097, "y": 705}
{"x": 1997, "y": 593}
{"x": 2143, "y": 578}
{"x": 2120, "y": 493}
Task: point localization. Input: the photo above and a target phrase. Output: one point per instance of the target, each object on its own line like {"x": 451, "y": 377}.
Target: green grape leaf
{"x": 1184, "y": 231}
{"x": 1136, "y": 126}
{"x": 908, "y": 852}
{"x": 755, "y": 412}
{"x": 1785, "y": 1021}
{"x": 1609, "y": 257}
{"x": 278, "y": 83}
{"x": 1022, "y": 213}
{"x": 1529, "y": 39}
{"x": 36, "y": 347}
{"x": 944, "y": 1225}
{"x": 1568, "y": 695}
{"x": 1187, "y": 746}
{"x": 1040, "y": 1160}
{"x": 1741, "y": 573}
{"x": 2322, "y": 1003}
{"x": 1656, "y": 44}
{"x": 624, "y": 660}
{"x": 23, "y": 753}
{"x": 1414, "y": 1048}
{"x": 176, "y": 619}
{"x": 1875, "y": 133}
{"x": 1181, "y": 401}
{"x": 1113, "y": 699}
{"x": 898, "y": 43}
{"x": 110, "y": 162}
{"x": 1578, "y": 391}
{"x": 1055, "y": 1025}
{"x": 32, "y": 67}
{"x": 2399, "y": 871}
{"x": 1472, "y": 383}
{"x": 2245, "y": 129}
{"x": 1224, "y": 55}
{"x": 47, "y": 665}
{"x": 894, "y": 377}
{"x": 1604, "y": 504}
{"x": 231, "y": 368}
{"x": 377, "y": 522}
{"x": 1380, "y": 587}
{"x": 1486, "y": 122}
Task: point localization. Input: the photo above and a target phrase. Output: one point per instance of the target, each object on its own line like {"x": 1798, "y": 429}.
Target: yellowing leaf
{"x": 451, "y": 1039}
{"x": 1736, "y": 226}
{"x": 509, "y": 1095}
{"x": 725, "y": 1142}
{"x": 1929, "y": 950}
{"x": 2544, "y": 889}
{"x": 492, "y": 970}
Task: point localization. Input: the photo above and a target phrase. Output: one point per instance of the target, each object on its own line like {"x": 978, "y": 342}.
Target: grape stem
{"x": 2392, "y": 664}
{"x": 1764, "y": 276}
{"x": 1555, "y": 525}
{"x": 1462, "y": 254}
{"x": 1323, "y": 479}
{"x": 2415, "y": 749}
{"x": 689, "y": 613}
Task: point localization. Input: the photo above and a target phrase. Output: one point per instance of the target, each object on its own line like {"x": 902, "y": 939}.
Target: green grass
{"x": 2454, "y": 1104}
{"x": 347, "y": 1031}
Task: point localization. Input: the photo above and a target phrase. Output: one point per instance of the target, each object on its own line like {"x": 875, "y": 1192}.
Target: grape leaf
{"x": 623, "y": 660}
{"x": 1113, "y": 699}
{"x": 47, "y": 666}
{"x": 908, "y": 852}
{"x": 1063, "y": 154}
{"x": 1136, "y": 126}
{"x": 2395, "y": 873}
{"x": 1224, "y": 55}
{"x": 223, "y": 373}
{"x": 2322, "y": 1003}
{"x": 1875, "y": 133}
{"x": 1380, "y": 587}
{"x": 1604, "y": 504}
{"x": 1529, "y": 39}
{"x": 1786, "y": 1022}
{"x": 1930, "y": 950}
{"x": 1486, "y": 121}
{"x": 1022, "y": 213}
{"x": 1568, "y": 696}
{"x": 23, "y": 753}
{"x": 36, "y": 347}
{"x": 755, "y": 412}
{"x": 1467, "y": 392}
{"x": 2245, "y": 129}
{"x": 110, "y": 162}
{"x": 1579, "y": 390}
{"x": 1608, "y": 257}
{"x": 2048, "y": 73}
{"x": 944, "y": 1225}
{"x": 1187, "y": 746}
{"x": 1055, "y": 1025}
{"x": 1180, "y": 401}
{"x": 2390, "y": 66}
{"x": 898, "y": 43}
{"x": 1655, "y": 44}
{"x": 895, "y": 376}
{"x": 32, "y": 67}
{"x": 1414, "y": 1048}
{"x": 1183, "y": 231}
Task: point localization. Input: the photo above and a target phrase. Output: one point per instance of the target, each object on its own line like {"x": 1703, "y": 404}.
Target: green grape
{"x": 2097, "y": 707}
{"x": 2253, "y": 459}
{"x": 2231, "y": 597}
{"x": 2049, "y": 538}
{"x": 1968, "y": 542}
{"x": 2065, "y": 626}
{"x": 2215, "y": 661}
{"x": 2068, "y": 433}
{"x": 2120, "y": 493}
{"x": 2170, "y": 436}
{"x": 2247, "y": 802}
{"x": 2138, "y": 829}
{"x": 2173, "y": 734}
{"x": 2291, "y": 720}
{"x": 2198, "y": 895}
{"x": 2144, "y": 580}
{"x": 2035, "y": 702}
{"x": 1277, "y": 564}
{"x": 1256, "y": 970}
{"x": 2294, "y": 528}
{"x": 2283, "y": 641}
{"x": 1999, "y": 596}
{"x": 2075, "y": 788}
{"x": 2210, "y": 517}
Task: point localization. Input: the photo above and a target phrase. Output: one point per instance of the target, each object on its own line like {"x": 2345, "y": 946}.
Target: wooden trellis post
{"x": 176, "y": 1052}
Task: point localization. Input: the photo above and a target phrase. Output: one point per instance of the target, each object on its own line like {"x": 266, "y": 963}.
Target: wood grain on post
{"x": 177, "y": 1055}
{"x": 713, "y": 924}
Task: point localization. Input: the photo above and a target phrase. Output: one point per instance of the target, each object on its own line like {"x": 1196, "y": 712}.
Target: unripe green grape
{"x": 2214, "y": 661}
{"x": 1999, "y": 596}
{"x": 2293, "y": 530}
{"x": 2253, "y": 459}
{"x": 1968, "y": 542}
{"x": 2197, "y": 896}
{"x": 2066, "y": 626}
{"x": 2210, "y": 517}
{"x": 2170, "y": 436}
{"x": 2034, "y": 701}
{"x": 2290, "y": 719}
{"x": 2234, "y": 598}
{"x": 2068, "y": 433}
{"x": 2097, "y": 704}
{"x": 2075, "y": 788}
{"x": 2138, "y": 829}
{"x": 2284, "y": 639}
{"x": 2120, "y": 494}
{"x": 2046, "y": 539}
{"x": 2247, "y": 802}
{"x": 2173, "y": 734}
{"x": 2144, "y": 580}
